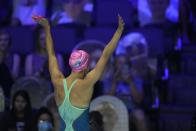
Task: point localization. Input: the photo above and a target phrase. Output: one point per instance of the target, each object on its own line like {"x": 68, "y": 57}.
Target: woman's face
{"x": 120, "y": 62}
{"x": 42, "y": 41}
{"x": 20, "y": 103}
{"x": 74, "y": 8}
{"x": 4, "y": 42}
{"x": 137, "y": 55}
{"x": 135, "y": 50}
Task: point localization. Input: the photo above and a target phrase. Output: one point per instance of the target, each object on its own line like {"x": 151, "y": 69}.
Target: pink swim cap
{"x": 78, "y": 60}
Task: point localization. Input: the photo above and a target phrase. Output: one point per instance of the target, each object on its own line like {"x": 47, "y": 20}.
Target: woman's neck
{"x": 74, "y": 75}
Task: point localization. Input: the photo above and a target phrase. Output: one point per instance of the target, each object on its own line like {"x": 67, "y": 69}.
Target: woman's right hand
{"x": 121, "y": 22}
{"x": 41, "y": 20}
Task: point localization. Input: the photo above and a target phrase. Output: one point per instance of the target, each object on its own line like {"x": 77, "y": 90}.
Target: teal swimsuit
{"x": 76, "y": 119}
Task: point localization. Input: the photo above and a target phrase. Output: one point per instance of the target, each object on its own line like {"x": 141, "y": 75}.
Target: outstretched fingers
{"x": 40, "y": 19}
{"x": 37, "y": 17}
{"x": 121, "y": 22}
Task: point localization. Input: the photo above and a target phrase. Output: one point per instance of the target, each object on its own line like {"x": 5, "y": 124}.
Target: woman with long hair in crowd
{"x": 20, "y": 114}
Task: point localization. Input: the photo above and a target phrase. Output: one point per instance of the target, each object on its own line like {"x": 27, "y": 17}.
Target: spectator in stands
{"x": 36, "y": 63}
{"x": 136, "y": 47}
{"x": 129, "y": 89}
{"x": 24, "y": 9}
{"x": 161, "y": 14}
{"x": 20, "y": 114}
{"x": 72, "y": 11}
{"x": 9, "y": 63}
{"x": 11, "y": 60}
{"x": 156, "y": 12}
{"x": 43, "y": 121}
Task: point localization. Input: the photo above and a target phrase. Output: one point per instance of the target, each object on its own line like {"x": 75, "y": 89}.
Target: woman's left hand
{"x": 41, "y": 20}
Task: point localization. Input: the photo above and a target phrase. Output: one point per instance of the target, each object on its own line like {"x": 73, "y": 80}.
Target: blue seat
{"x": 22, "y": 39}
{"x": 155, "y": 39}
{"x": 182, "y": 90}
{"x": 106, "y": 12}
{"x": 99, "y": 33}
{"x": 64, "y": 38}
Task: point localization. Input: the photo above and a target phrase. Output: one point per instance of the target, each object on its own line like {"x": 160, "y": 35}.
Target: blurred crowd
{"x": 132, "y": 75}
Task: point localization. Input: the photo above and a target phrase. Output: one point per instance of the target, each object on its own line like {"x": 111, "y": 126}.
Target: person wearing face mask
{"x": 73, "y": 93}
{"x": 43, "y": 121}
